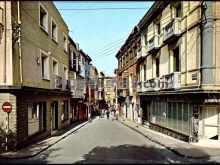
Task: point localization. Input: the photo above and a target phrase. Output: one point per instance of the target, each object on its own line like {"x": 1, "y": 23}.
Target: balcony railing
{"x": 172, "y": 81}
{"x": 66, "y": 84}
{"x": 100, "y": 89}
{"x": 77, "y": 88}
{"x": 57, "y": 82}
{"x": 172, "y": 30}
{"x": 139, "y": 87}
{"x": 125, "y": 92}
{"x": 153, "y": 44}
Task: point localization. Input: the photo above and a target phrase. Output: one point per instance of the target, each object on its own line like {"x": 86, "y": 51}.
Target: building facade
{"x": 127, "y": 98}
{"x": 109, "y": 92}
{"x": 34, "y": 74}
{"x": 101, "y": 97}
{"x": 178, "y": 82}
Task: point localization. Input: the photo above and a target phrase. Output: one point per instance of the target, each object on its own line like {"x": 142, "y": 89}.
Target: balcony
{"x": 172, "y": 31}
{"x": 66, "y": 84}
{"x": 125, "y": 92}
{"x": 139, "y": 87}
{"x": 100, "y": 89}
{"x": 172, "y": 81}
{"x": 142, "y": 52}
{"x": 153, "y": 44}
{"x": 57, "y": 82}
{"x": 153, "y": 84}
{"x": 77, "y": 88}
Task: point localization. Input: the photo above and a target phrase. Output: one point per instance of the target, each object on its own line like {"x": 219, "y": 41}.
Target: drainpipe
{"x": 19, "y": 43}
{"x": 5, "y": 45}
{"x": 207, "y": 25}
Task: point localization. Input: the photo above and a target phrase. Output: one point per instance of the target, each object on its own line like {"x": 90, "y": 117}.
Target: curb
{"x": 167, "y": 147}
{"x": 34, "y": 154}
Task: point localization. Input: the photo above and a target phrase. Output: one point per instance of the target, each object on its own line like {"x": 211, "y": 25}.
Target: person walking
{"x": 107, "y": 113}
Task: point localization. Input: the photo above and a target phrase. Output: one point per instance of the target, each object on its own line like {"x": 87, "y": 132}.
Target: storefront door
{"x": 211, "y": 122}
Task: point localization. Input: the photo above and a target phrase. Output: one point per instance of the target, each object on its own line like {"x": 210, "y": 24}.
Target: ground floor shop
{"x": 188, "y": 117}
{"x": 35, "y": 114}
{"x": 128, "y": 107}
{"x": 79, "y": 110}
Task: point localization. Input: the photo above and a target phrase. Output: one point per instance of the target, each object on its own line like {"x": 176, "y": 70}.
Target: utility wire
{"x": 148, "y": 36}
{"x": 109, "y": 48}
{"x": 112, "y": 43}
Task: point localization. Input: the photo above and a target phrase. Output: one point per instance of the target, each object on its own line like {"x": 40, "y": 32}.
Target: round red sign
{"x": 7, "y": 107}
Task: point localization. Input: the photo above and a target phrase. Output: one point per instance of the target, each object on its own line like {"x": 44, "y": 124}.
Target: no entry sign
{"x": 7, "y": 107}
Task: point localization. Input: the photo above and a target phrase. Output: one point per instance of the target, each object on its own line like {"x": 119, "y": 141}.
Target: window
{"x": 178, "y": 10}
{"x": 83, "y": 61}
{"x": 35, "y": 111}
{"x": 157, "y": 67}
{"x": 176, "y": 61}
{"x": 65, "y": 111}
{"x": 43, "y": 18}
{"x": 158, "y": 28}
{"x": 109, "y": 83}
{"x": 36, "y": 117}
{"x": 65, "y": 73}
{"x": 54, "y": 30}
{"x": 124, "y": 83}
{"x": 145, "y": 76}
{"x": 145, "y": 39}
{"x": 65, "y": 43}
{"x": 55, "y": 67}
{"x": 44, "y": 65}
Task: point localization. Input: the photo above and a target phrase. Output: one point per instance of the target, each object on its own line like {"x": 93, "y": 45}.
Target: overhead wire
{"x": 108, "y": 49}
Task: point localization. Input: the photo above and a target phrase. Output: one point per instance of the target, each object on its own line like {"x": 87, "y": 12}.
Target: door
{"x": 211, "y": 122}
{"x": 54, "y": 115}
{"x": 145, "y": 107}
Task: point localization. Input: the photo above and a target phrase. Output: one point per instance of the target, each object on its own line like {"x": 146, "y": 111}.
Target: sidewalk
{"x": 202, "y": 149}
{"x": 35, "y": 149}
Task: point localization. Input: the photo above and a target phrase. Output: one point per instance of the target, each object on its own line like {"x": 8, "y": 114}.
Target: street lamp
{"x": 1, "y": 23}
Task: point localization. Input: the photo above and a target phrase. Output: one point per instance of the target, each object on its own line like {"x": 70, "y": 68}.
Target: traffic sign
{"x": 7, "y": 107}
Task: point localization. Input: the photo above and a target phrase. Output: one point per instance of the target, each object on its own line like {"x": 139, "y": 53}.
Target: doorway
{"x": 211, "y": 122}
{"x": 54, "y": 115}
{"x": 146, "y": 108}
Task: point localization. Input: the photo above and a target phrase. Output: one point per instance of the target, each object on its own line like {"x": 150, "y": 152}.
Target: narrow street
{"x": 105, "y": 141}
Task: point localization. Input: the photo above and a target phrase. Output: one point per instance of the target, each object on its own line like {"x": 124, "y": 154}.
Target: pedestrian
{"x": 116, "y": 115}
{"x": 107, "y": 113}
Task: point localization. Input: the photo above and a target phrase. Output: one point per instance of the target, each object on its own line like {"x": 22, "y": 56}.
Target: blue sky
{"x": 101, "y": 33}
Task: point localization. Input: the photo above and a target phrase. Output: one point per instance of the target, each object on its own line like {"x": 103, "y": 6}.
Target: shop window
{"x": 36, "y": 117}
{"x": 35, "y": 111}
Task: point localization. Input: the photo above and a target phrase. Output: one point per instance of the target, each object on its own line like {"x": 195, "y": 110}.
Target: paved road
{"x": 106, "y": 141}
